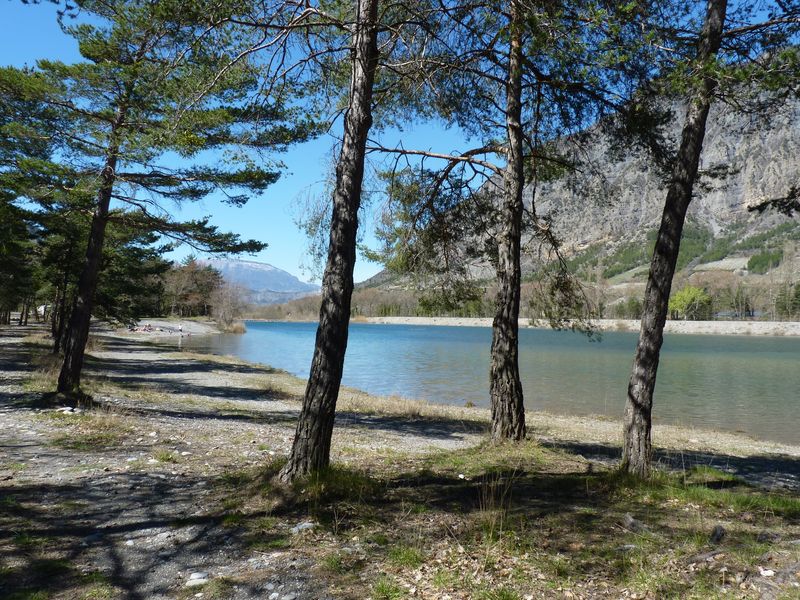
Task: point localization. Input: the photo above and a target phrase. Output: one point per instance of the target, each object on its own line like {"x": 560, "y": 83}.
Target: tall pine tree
{"x": 165, "y": 106}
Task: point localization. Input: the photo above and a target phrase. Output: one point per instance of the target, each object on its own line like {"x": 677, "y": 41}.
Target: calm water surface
{"x": 737, "y": 383}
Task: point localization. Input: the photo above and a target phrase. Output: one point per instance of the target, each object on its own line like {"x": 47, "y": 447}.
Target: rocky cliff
{"x": 616, "y": 198}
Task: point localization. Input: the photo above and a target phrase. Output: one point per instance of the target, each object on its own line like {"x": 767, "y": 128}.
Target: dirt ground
{"x": 142, "y": 496}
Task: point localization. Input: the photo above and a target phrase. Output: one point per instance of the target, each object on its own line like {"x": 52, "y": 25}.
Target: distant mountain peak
{"x": 265, "y": 283}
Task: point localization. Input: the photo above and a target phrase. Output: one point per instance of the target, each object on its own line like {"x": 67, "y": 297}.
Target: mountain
{"x": 619, "y": 197}
{"x": 264, "y": 283}
{"x": 607, "y": 212}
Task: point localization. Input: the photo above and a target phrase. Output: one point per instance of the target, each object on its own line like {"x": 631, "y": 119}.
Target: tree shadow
{"x": 772, "y": 471}
{"x": 139, "y": 533}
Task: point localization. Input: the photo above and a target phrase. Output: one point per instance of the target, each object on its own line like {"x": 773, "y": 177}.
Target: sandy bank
{"x": 153, "y": 328}
{"x": 775, "y": 328}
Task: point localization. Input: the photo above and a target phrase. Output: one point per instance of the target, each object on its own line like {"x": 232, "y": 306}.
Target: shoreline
{"x": 687, "y": 433}
{"x": 164, "y": 328}
{"x": 590, "y": 428}
{"x": 757, "y": 328}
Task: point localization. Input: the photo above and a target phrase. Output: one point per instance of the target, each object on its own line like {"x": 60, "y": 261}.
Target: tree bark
{"x": 312, "y": 442}
{"x": 77, "y": 332}
{"x": 505, "y": 387}
{"x": 637, "y": 447}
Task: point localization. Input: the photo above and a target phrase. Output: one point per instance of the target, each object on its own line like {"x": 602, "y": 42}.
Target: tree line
{"x": 136, "y": 283}
{"x": 175, "y": 100}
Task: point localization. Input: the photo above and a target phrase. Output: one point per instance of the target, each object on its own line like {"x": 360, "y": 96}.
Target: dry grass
{"x": 98, "y": 429}
{"x": 357, "y": 401}
{"x": 235, "y": 327}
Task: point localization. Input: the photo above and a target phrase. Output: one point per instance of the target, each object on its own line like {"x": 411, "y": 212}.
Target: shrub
{"x": 690, "y": 303}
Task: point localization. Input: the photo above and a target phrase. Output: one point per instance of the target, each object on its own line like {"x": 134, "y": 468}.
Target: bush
{"x": 691, "y": 303}
{"x": 630, "y": 309}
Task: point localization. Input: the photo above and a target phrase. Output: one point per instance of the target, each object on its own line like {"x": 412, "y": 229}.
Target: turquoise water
{"x": 735, "y": 383}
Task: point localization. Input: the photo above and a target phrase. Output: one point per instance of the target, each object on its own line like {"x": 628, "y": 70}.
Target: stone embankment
{"x": 775, "y": 328}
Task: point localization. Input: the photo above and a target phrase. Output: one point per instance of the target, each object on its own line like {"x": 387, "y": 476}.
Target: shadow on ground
{"x": 138, "y": 533}
{"x": 768, "y": 471}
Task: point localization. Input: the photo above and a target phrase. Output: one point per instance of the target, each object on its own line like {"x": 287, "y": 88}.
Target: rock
{"x": 274, "y": 596}
{"x": 305, "y": 525}
{"x": 717, "y": 534}
{"x": 766, "y": 572}
{"x": 628, "y": 522}
{"x": 92, "y": 538}
{"x": 197, "y": 578}
{"x": 290, "y": 596}
{"x": 767, "y": 537}
{"x": 129, "y": 542}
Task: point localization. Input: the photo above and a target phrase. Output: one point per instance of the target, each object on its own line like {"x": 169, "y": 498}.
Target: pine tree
{"x": 162, "y": 86}
{"x": 755, "y": 67}
{"x": 525, "y": 78}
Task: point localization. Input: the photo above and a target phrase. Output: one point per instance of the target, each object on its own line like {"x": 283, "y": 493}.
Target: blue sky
{"x": 29, "y": 32}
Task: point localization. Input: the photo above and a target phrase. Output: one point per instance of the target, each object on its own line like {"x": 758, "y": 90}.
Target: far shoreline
{"x": 744, "y": 328}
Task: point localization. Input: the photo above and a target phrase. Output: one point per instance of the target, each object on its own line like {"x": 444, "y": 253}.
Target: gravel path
{"x": 120, "y": 515}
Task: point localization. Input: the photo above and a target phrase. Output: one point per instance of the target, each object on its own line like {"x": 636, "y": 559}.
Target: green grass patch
{"x": 29, "y": 594}
{"x": 31, "y": 542}
{"x": 334, "y": 563}
{"x": 87, "y": 442}
{"x": 234, "y": 519}
{"x": 406, "y": 556}
{"x": 165, "y": 456}
{"x": 385, "y": 588}
{"x": 444, "y": 579}
{"x": 710, "y": 488}
{"x": 219, "y": 588}
{"x": 486, "y": 458}
{"x": 338, "y": 483}
{"x": 501, "y": 593}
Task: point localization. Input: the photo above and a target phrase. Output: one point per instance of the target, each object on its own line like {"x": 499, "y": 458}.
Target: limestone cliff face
{"x": 625, "y": 196}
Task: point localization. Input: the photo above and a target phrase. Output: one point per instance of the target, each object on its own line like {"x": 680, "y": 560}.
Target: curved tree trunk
{"x": 312, "y": 442}
{"x": 637, "y": 448}
{"x": 77, "y": 332}
{"x": 505, "y": 387}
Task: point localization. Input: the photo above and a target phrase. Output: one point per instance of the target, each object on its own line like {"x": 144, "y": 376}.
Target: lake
{"x": 735, "y": 383}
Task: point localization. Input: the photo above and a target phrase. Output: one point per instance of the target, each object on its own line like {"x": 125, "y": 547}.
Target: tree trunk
{"x": 53, "y": 321}
{"x": 312, "y": 441}
{"x": 637, "y": 449}
{"x": 505, "y": 387}
{"x": 78, "y": 330}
